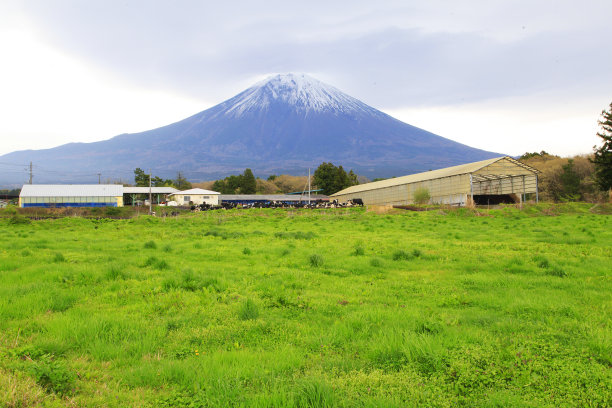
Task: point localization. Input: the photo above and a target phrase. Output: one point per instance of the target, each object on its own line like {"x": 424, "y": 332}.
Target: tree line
{"x": 327, "y": 177}
{"x": 141, "y": 179}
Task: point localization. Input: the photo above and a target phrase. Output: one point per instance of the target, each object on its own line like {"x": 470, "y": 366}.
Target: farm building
{"x": 196, "y": 196}
{"x": 131, "y": 195}
{"x": 71, "y": 195}
{"x": 502, "y": 179}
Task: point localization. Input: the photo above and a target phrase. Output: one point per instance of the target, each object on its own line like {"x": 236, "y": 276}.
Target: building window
{"x": 205, "y": 197}
{"x": 186, "y": 198}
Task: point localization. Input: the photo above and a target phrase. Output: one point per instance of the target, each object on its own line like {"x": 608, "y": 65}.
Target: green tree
{"x": 570, "y": 182}
{"x": 244, "y": 183}
{"x": 603, "y": 155}
{"x": 248, "y": 184}
{"x": 181, "y": 182}
{"x": 332, "y": 179}
{"x": 141, "y": 178}
{"x": 353, "y": 178}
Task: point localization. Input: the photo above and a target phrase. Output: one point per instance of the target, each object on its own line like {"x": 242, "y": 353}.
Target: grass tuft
{"x": 556, "y": 270}
{"x": 115, "y": 272}
{"x": 541, "y": 261}
{"x": 375, "y": 262}
{"x": 316, "y": 260}
{"x": 315, "y": 394}
{"x": 296, "y": 235}
{"x": 150, "y": 245}
{"x": 155, "y": 263}
{"x": 248, "y": 310}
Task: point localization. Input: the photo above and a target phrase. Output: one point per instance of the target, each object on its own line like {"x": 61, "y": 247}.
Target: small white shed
{"x": 196, "y": 196}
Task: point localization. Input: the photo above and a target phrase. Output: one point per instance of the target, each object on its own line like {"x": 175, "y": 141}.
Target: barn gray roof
{"x": 145, "y": 190}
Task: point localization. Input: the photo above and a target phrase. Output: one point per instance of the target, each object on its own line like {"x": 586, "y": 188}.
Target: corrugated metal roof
{"x": 430, "y": 175}
{"x": 196, "y": 191}
{"x": 71, "y": 190}
{"x": 145, "y": 190}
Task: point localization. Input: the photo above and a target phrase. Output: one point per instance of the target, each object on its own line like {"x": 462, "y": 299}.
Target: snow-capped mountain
{"x": 304, "y": 93}
{"x": 284, "y": 124}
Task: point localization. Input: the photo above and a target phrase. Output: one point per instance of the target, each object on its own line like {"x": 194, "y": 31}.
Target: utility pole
{"x": 309, "y": 188}
{"x": 30, "y": 172}
{"x": 150, "y": 195}
{"x": 99, "y": 174}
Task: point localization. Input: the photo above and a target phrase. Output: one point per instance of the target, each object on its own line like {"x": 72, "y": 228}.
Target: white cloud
{"x": 50, "y": 99}
{"x": 514, "y": 125}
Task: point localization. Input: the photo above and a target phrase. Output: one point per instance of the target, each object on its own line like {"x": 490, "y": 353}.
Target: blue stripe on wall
{"x": 58, "y": 205}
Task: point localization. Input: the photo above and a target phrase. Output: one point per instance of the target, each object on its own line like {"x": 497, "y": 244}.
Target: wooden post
{"x": 471, "y": 192}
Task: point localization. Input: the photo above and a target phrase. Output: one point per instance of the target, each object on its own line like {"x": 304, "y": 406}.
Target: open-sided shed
{"x": 498, "y": 179}
{"x": 159, "y": 194}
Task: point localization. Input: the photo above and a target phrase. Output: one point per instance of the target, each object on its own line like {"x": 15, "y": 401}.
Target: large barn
{"x": 502, "y": 179}
{"x": 71, "y": 195}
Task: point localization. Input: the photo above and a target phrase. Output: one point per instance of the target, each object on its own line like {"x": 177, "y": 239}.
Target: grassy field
{"x": 329, "y": 308}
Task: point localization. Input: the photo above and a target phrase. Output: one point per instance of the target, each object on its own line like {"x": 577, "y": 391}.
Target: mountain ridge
{"x": 283, "y": 124}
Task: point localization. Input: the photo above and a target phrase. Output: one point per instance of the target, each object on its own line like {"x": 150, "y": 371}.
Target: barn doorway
{"x": 495, "y": 199}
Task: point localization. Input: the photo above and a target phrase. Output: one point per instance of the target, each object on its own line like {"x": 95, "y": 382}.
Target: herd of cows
{"x": 279, "y": 204}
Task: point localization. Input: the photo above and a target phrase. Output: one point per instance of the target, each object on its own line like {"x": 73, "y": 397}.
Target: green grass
{"x": 291, "y": 308}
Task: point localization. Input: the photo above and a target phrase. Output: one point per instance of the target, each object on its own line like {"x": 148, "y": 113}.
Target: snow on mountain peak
{"x": 302, "y": 92}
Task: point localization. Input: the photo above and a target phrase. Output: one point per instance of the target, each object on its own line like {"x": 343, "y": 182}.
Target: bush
{"x": 19, "y": 219}
{"x": 112, "y": 211}
{"x": 421, "y": 196}
{"x": 52, "y": 375}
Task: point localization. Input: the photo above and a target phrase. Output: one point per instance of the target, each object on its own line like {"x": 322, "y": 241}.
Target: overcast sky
{"x": 505, "y": 76}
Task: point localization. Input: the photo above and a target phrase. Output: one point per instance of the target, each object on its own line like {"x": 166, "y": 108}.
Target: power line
{"x": 13, "y": 164}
